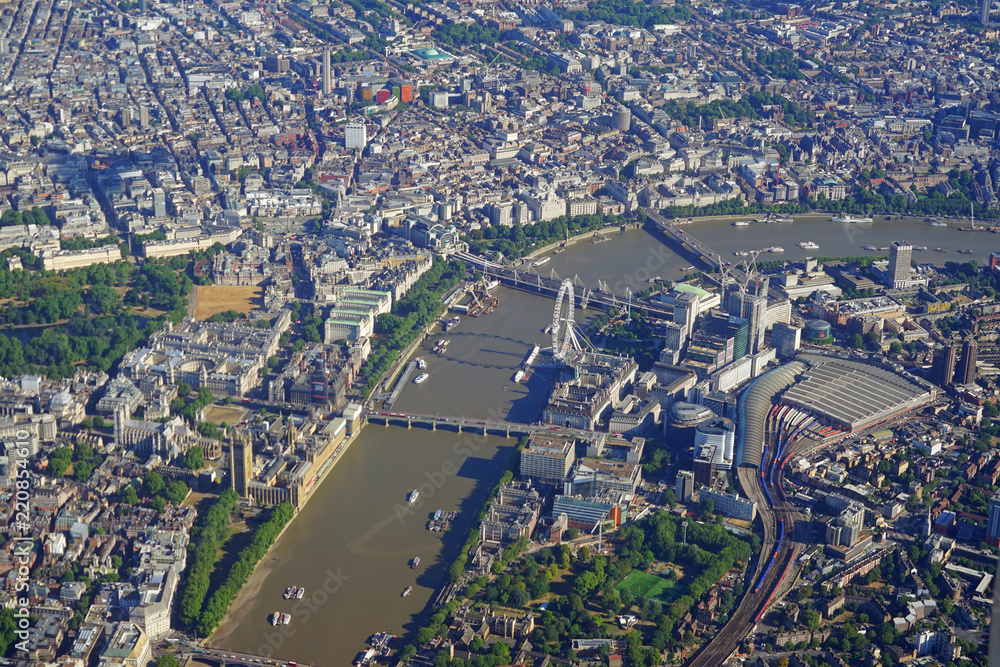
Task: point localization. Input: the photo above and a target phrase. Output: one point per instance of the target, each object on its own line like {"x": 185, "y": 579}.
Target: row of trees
{"x": 930, "y": 202}
{"x": 508, "y": 555}
{"x": 409, "y": 316}
{"x": 265, "y": 535}
{"x": 34, "y": 216}
{"x": 737, "y": 207}
{"x": 81, "y": 243}
{"x": 209, "y": 534}
{"x": 515, "y": 241}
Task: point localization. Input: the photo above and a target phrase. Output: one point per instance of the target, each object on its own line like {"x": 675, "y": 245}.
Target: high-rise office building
{"x": 900, "y": 253}
{"x": 548, "y": 458}
{"x": 944, "y": 365}
{"x": 738, "y": 328}
{"x": 501, "y": 214}
{"x": 684, "y": 486}
{"x": 993, "y": 523}
{"x": 674, "y": 340}
{"x": 984, "y": 11}
{"x": 686, "y": 312}
{"x": 845, "y": 529}
{"x": 355, "y": 135}
{"x": 751, "y": 304}
{"x": 727, "y": 327}
{"x": 277, "y": 64}
{"x": 327, "y": 74}
{"x": 786, "y": 339}
{"x": 159, "y": 203}
{"x": 719, "y": 433}
{"x": 967, "y": 369}
{"x": 144, "y": 116}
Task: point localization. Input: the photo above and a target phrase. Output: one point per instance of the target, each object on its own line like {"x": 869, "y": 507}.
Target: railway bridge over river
{"x": 475, "y": 425}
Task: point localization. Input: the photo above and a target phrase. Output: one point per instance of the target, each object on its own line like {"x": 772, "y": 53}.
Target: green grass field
{"x": 643, "y": 584}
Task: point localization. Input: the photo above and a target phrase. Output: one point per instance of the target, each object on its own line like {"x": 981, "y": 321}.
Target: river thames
{"x": 351, "y": 544}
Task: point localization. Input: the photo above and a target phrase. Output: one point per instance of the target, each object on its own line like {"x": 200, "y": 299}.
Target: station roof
{"x": 853, "y": 393}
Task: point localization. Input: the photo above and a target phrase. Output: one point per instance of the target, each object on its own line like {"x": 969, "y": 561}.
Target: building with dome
{"x": 432, "y": 55}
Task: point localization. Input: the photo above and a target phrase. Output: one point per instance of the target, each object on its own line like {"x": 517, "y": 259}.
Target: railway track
{"x": 780, "y": 520}
{"x": 787, "y": 433}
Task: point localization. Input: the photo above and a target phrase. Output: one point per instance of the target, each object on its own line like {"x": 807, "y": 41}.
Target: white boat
{"x": 420, "y": 378}
{"x": 543, "y": 260}
{"x": 518, "y": 376}
{"x": 851, "y": 219}
{"x": 275, "y": 618}
{"x": 421, "y": 364}
{"x": 407, "y": 591}
{"x": 808, "y": 245}
{"x": 491, "y": 284}
{"x": 775, "y": 248}
{"x": 937, "y": 223}
{"x": 412, "y": 498}
{"x": 286, "y": 619}
{"x": 741, "y": 223}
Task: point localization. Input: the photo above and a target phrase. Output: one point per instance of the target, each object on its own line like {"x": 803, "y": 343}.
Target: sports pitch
{"x": 643, "y": 584}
